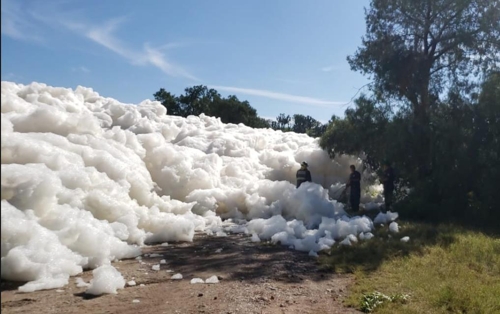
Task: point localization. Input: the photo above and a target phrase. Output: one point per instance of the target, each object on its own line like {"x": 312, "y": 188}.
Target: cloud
{"x": 80, "y": 69}
{"x": 329, "y": 68}
{"x": 103, "y": 35}
{"x": 11, "y": 76}
{"x": 291, "y": 81}
{"x": 278, "y": 96}
{"x": 15, "y": 23}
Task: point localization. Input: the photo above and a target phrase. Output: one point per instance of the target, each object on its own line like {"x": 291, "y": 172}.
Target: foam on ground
{"x": 106, "y": 280}
{"x": 87, "y": 180}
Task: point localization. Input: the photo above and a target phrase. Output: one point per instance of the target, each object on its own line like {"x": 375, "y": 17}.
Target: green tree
{"x": 363, "y": 131}
{"x": 169, "y": 101}
{"x": 414, "y": 50}
{"x": 197, "y": 100}
{"x": 284, "y": 121}
{"x": 200, "y": 99}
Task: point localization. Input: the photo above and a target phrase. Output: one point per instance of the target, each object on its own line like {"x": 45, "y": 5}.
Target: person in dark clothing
{"x": 303, "y": 174}
{"x": 355, "y": 184}
{"x": 388, "y": 183}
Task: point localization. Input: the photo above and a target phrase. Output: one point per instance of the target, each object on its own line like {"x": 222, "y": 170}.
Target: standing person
{"x": 303, "y": 174}
{"x": 355, "y": 184}
{"x": 388, "y": 182}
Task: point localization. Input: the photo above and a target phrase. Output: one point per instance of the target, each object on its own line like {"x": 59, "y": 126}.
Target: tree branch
{"x": 352, "y": 98}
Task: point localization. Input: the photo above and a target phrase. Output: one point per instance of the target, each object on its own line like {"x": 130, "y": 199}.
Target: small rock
{"x": 272, "y": 297}
{"x": 200, "y": 294}
{"x": 282, "y": 305}
{"x": 215, "y": 298}
{"x": 136, "y": 301}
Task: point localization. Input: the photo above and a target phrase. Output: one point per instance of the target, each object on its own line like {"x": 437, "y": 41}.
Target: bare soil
{"x": 254, "y": 278}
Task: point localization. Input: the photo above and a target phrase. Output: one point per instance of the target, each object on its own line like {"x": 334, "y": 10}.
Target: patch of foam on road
{"x": 213, "y": 279}
{"x": 196, "y": 280}
{"x": 176, "y": 276}
{"x": 106, "y": 280}
{"x": 87, "y": 180}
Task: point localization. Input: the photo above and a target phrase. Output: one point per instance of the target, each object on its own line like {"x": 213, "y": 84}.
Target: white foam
{"x": 394, "y": 227}
{"x": 106, "y": 280}
{"x": 196, "y": 280}
{"x": 212, "y": 279}
{"x": 405, "y": 239}
{"x": 313, "y": 254}
{"x": 87, "y": 180}
{"x": 176, "y": 276}
{"x": 80, "y": 283}
{"x": 255, "y": 238}
{"x": 384, "y": 218}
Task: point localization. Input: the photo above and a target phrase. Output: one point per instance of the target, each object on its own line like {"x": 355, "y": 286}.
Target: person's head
{"x": 353, "y": 168}
{"x": 304, "y": 165}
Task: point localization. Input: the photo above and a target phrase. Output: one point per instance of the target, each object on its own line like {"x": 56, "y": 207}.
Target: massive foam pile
{"x": 87, "y": 180}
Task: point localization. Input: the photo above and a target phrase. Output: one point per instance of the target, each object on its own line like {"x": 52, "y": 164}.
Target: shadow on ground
{"x": 238, "y": 258}
{"x": 368, "y": 256}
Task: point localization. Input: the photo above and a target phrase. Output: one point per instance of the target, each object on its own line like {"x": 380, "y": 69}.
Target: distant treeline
{"x": 200, "y": 99}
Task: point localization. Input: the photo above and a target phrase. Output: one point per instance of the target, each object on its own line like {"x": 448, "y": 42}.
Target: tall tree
{"x": 169, "y": 101}
{"x": 303, "y": 124}
{"x": 414, "y": 50}
{"x": 198, "y": 99}
{"x": 283, "y": 121}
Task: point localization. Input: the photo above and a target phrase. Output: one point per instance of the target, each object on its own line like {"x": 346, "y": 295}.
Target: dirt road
{"x": 254, "y": 278}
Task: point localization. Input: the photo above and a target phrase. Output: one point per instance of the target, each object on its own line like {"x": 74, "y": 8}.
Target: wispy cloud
{"x": 80, "y": 69}
{"x": 291, "y": 81}
{"x": 329, "y": 68}
{"x": 15, "y": 23}
{"x": 11, "y": 76}
{"x": 278, "y": 96}
{"x": 104, "y": 36}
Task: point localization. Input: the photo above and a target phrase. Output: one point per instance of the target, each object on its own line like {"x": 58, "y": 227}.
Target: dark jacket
{"x": 303, "y": 175}
{"x": 388, "y": 179}
{"x": 355, "y": 182}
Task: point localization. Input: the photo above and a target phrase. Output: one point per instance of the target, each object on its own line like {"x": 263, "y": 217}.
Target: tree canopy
{"x": 434, "y": 106}
{"x": 418, "y": 51}
{"x": 200, "y": 99}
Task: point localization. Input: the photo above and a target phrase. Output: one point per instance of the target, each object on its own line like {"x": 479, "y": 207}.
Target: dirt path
{"x": 254, "y": 278}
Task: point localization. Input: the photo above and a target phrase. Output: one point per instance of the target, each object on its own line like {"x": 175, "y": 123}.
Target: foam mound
{"x": 87, "y": 180}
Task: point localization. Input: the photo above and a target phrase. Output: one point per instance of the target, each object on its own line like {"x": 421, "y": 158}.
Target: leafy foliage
{"x": 435, "y": 107}
{"x": 416, "y": 51}
{"x": 199, "y": 99}
{"x": 372, "y": 300}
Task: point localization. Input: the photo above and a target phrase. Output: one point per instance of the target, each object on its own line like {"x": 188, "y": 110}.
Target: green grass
{"x": 443, "y": 269}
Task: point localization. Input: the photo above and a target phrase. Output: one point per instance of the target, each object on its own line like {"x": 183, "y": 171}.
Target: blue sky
{"x": 283, "y": 56}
